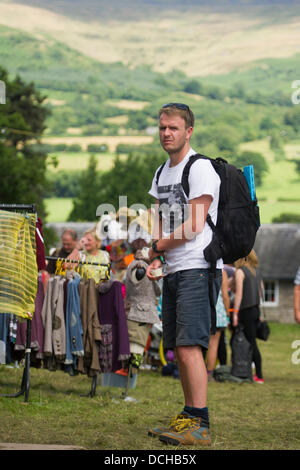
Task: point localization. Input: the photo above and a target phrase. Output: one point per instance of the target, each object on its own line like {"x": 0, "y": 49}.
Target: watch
{"x": 154, "y": 248}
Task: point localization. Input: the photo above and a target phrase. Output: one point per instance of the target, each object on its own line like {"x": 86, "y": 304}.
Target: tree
{"x": 297, "y": 165}
{"x": 257, "y": 160}
{"x": 87, "y": 195}
{"x": 193, "y": 86}
{"x": 131, "y": 178}
{"x": 292, "y": 118}
{"x": 22, "y": 119}
{"x": 286, "y": 218}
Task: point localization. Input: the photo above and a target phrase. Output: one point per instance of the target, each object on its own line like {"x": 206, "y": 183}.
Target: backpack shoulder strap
{"x": 186, "y": 171}
{"x": 185, "y": 182}
{"x": 159, "y": 172}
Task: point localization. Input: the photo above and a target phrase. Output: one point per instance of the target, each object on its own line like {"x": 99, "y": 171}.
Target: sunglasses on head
{"x": 176, "y": 105}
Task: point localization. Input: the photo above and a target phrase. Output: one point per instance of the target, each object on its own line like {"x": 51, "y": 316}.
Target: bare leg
{"x": 212, "y": 351}
{"x": 193, "y": 375}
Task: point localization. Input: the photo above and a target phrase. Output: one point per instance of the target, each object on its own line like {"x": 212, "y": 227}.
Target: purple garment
{"x": 37, "y": 329}
{"x": 111, "y": 311}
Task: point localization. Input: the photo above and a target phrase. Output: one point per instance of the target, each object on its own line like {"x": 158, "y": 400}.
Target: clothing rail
{"x": 92, "y": 392}
{"x": 25, "y": 384}
{"x": 28, "y": 207}
{"x": 67, "y": 260}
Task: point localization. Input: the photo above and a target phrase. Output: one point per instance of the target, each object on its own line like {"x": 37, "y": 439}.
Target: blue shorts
{"x": 186, "y": 312}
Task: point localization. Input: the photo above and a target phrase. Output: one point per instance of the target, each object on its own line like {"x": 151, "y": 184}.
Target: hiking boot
{"x": 188, "y": 432}
{"x": 174, "y": 423}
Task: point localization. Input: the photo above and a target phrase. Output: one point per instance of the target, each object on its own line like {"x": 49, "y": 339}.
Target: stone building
{"x": 278, "y": 250}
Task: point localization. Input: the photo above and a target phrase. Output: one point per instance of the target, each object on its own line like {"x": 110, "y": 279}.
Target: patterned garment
{"x": 13, "y": 327}
{"x": 222, "y": 319}
{"x": 106, "y": 347}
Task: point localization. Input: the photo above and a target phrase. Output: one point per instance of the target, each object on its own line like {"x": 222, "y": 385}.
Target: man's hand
{"x": 156, "y": 264}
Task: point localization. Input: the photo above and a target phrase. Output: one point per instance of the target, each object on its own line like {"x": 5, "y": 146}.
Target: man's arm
{"x": 156, "y": 235}
{"x": 198, "y": 209}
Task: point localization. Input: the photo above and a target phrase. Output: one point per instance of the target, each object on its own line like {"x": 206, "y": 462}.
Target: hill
{"x": 197, "y": 37}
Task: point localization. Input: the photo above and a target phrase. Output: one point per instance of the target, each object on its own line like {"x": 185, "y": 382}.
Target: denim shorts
{"x": 186, "y": 312}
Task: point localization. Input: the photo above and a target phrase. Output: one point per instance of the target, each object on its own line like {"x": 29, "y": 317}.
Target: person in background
{"x": 222, "y": 348}
{"x": 90, "y": 252}
{"x": 222, "y": 310}
{"x": 69, "y": 240}
{"x": 248, "y": 292}
{"x": 297, "y": 296}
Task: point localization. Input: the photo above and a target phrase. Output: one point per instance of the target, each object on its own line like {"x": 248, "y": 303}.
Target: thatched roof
{"x": 278, "y": 250}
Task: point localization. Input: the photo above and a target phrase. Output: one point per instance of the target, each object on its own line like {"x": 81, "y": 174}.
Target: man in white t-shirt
{"x": 180, "y": 236}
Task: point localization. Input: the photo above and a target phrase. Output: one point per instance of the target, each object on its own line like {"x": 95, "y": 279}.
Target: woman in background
{"x": 222, "y": 311}
{"x": 91, "y": 253}
{"x": 248, "y": 292}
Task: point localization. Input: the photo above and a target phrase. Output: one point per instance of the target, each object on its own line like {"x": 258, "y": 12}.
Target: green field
{"x": 58, "y": 209}
{"x": 79, "y": 161}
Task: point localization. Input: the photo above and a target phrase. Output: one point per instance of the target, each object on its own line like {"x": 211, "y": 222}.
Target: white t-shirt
{"x": 202, "y": 180}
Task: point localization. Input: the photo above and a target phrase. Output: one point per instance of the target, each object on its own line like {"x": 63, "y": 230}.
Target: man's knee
{"x": 186, "y": 353}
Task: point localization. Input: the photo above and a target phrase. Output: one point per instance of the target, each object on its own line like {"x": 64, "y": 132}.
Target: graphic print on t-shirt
{"x": 172, "y": 206}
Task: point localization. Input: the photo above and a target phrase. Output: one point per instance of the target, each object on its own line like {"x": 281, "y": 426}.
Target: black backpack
{"x": 237, "y": 221}
{"x": 238, "y": 215}
{"x": 241, "y": 355}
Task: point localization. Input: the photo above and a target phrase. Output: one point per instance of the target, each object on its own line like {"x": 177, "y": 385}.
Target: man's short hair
{"x": 179, "y": 109}
{"x": 71, "y": 232}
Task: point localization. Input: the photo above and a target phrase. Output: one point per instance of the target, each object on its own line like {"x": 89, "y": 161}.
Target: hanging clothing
{"x": 74, "y": 331}
{"x": 88, "y": 293}
{"x": 53, "y": 318}
{"x": 88, "y": 271}
{"x": 37, "y": 329}
{"x": 141, "y": 295}
{"x": 138, "y": 336}
{"x": 4, "y": 319}
{"x": 59, "y": 253}
{"x": 40, "y": 245}
{"x": 114, "y": 331}
{"x": 13, "y": 328}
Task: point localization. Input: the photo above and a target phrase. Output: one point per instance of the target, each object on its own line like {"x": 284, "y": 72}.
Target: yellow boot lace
{"x": 181, "y": 422}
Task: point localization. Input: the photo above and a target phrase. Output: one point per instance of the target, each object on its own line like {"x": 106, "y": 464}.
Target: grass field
{"x": 58, "y": 208}
{"x": 79, "y": 161}
{"x": 280, "y": 190}
{"x": 243, "y": 416}
{"x": 110, "y": 141}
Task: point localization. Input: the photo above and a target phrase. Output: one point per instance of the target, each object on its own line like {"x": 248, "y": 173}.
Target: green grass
{"x": 58, "y": 209}
{"x": 242, "y": 416}
{"x": 279, "y": 192}
{"x": 270, "y": 209}
{"x": 80, "y": 160}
